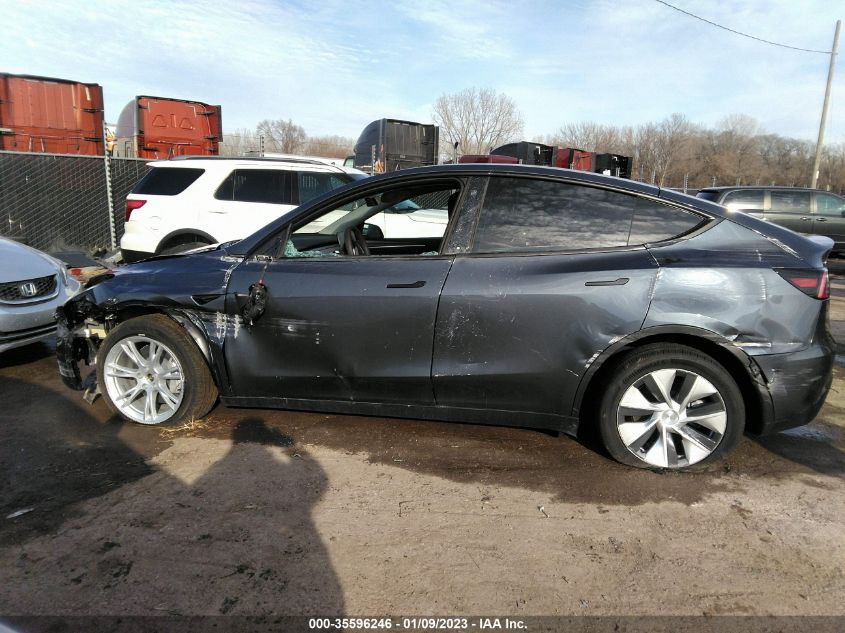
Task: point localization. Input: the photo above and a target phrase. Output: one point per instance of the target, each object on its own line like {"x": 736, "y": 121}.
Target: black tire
{"x": 198, "y": 391}
{"x": 635, "y": 367}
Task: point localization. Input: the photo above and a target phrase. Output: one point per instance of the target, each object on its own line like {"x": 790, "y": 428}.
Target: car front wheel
{"x": 150, "y": 371}
{"x": 670, "y": 406}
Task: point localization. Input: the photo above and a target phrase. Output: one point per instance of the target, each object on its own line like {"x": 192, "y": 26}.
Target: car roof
{"x": 741, "y": 187}
{"x": 221, "y": 162}
{"x": 480, "y": 169}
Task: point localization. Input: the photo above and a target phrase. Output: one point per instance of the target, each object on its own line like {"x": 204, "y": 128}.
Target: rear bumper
{"x": 797, "y": 383}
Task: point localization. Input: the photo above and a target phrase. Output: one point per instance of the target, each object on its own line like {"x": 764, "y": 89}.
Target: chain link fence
{"x": 58, "y": 201}
{"x": 125, "y": 173}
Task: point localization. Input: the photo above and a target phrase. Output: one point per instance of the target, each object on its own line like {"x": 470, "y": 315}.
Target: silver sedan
{"x": 32, "y": 286}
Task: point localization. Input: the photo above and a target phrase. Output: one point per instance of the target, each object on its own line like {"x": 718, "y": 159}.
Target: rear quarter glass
{"x": 167, "y": 181}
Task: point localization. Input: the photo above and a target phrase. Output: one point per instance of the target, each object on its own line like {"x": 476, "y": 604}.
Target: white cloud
{"x": 333, "y": 66}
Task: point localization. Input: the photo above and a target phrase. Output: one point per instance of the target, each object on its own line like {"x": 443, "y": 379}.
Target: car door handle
{"x": 821, "y": 219}
{"x": 805, "y": 218}
{"x": 218, "y": 211}
{"x": 608, "y": 282}
{"x": 416, "y": 284}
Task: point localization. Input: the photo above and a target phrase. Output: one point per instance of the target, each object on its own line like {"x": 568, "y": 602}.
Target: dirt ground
{"x": 271, "y": 512}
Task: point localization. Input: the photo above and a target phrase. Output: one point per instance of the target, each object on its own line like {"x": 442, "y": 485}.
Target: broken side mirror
{"x": 255, "y": 304}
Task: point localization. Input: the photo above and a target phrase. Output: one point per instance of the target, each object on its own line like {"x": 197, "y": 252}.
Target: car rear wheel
{"x": 670, "y": 406}
{"x": 150, "y": 371}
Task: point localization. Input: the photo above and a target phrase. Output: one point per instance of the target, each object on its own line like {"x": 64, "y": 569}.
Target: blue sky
{"x": 334, "y": 66}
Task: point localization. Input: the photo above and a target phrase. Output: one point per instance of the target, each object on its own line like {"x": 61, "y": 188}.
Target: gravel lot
{"x": 271, "y": 512}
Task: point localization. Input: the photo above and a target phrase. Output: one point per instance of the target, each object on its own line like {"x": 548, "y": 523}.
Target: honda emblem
{"x": 28, "y": 289}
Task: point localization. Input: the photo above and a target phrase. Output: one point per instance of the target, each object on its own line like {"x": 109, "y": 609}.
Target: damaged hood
{"x": 184, "y": 281}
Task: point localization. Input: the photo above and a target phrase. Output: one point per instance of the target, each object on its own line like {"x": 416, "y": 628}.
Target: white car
{"x": 188, "y": 202}
{"x": 406, "y": 219}
{"x": 32, "y": 286}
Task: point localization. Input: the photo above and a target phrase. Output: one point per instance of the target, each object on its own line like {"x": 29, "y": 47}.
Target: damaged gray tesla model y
{"x": 553, "y": 299}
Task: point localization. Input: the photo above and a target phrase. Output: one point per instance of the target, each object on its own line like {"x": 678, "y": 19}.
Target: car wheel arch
{"x": 170, "y": 239}
{"x": 740, "y": 365}
{"x": 194, "y": 331}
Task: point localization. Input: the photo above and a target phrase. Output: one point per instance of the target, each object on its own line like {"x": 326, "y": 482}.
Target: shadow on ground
{"x": 231, "y": 516}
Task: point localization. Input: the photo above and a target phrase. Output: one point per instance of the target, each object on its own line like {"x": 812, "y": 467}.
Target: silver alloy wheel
{"x": 144, "y": 379}
{"x": 671, "y": 418}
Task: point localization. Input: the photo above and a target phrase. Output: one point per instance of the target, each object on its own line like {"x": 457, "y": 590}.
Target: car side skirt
{"x": 495, "y": 417}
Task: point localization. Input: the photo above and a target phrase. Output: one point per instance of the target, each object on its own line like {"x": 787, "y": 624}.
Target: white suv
{"x": 187, "y": 202}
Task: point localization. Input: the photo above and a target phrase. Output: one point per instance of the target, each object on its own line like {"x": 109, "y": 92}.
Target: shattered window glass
{"x": 461, "y": 236}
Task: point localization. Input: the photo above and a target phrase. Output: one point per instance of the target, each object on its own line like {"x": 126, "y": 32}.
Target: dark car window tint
{"x": 257, "y": 185}
{"x": 827, "y": 204}
{"x": 708, "y": 195}
{"x": 536, "y": 215}
{"x": 745, "y": 199}
{"x": 313, "y": 184}
{"x": 784, "y": 201}
{"x": 657, "y": 222}
{"x": 167, "y": 181}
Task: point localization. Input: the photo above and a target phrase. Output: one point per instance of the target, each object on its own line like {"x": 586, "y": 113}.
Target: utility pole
{"x": 817, "y": 161}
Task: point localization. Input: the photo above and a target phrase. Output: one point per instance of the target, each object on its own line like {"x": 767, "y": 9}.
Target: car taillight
{"x": 131, "y": 205}
{"x": 814, "y": 283}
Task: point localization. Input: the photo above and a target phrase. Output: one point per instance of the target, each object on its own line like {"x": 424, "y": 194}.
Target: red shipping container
{"x": 487, "y": 158}
{"x": 157, "y": 127}
{"x": 42, "y": 114}
{"x": 571, "y": 158}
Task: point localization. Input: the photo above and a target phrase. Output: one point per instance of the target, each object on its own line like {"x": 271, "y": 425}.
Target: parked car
{"x": 556, "y": 299}
{"x": 32, "y": 286}
{"x": 808, "y": 211}
{"x": 190, "y": 202}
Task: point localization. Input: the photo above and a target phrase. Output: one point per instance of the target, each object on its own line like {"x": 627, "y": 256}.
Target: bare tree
{"x": 674, "y": 152}
{"x": 478, "y": 119}
{"x": 736, "y": 141}
{"x": 329, "y": 146}
{"x": 588, "y": 136}
{"x": 672, "y": 135}
{"x": 238, "y": 143}
{"x": 281, "y": 136}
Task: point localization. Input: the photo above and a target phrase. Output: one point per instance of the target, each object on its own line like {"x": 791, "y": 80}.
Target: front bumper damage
{"x": 74, "y": 344}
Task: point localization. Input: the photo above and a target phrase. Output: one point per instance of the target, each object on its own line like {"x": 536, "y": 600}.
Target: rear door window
{"x": 524, "y": 215}
{"x": 745, "y": 199}
{"x": 167, "y": 181}
{"x": 271, "y": 186}
{"x": 785, "y": 201}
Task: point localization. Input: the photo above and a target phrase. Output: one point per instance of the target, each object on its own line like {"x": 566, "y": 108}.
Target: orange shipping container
{"x": 42, "y": 114}
{"x": 156, "y": 127}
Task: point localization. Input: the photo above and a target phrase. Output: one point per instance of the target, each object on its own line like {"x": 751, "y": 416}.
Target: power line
{"x": 759, "y": 39}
